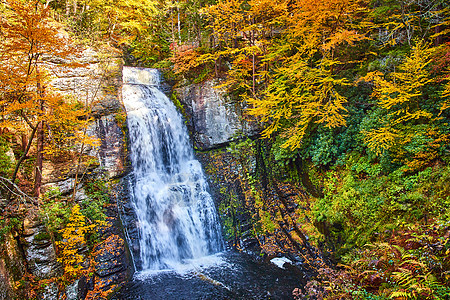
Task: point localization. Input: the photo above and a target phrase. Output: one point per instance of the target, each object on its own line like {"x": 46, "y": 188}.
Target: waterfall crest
{"x": 176, "y": 216}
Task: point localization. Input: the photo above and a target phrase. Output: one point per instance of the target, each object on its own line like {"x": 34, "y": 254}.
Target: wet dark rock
{"x": 128, "y": 217}
{"x": 113, "y": 263}
{"x": 107, "y": 263}
{"x": 38, "y": 249}
{"x": 112, "y": 150}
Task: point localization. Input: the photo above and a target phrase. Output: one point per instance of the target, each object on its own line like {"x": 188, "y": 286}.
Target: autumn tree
{"x": 243, "y": 32}
{"x": 73, "y": 239}
{"x": 28, "y": 103}
{"x": 400, "y": 21}
{"x": 410, "y": 114}
{"x": 303, "y": 86}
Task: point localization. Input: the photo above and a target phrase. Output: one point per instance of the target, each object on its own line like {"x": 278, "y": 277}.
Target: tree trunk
{"x": 67, "y": 7}
{"x": 75, "y": 184}
{"x": 253, "y": 75}
{"x": 40, "y": 140}
{"x": 39, "y": 159}
{"x": 306, "y": 181}
{"x": 21, "y": 159}
{"x": 24, "y": 155}
{"x": 438, "y": 39}
{"x": 173, "y": 32}
{"x": 24, "y": 142}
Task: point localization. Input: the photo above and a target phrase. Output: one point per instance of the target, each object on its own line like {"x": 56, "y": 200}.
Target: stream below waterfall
{"x": 229, "y": 275}
{"x": 180, "y": 250}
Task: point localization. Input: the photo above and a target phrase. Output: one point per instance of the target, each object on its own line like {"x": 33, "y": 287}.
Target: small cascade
{"x": 176, "y": 217}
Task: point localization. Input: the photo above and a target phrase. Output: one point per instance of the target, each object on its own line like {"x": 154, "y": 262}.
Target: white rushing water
{"x": 177, "y": 220}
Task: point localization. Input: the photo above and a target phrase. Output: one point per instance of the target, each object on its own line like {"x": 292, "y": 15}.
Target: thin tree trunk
{"x": 253, "y": 75}
{"x": 21, "y": 159}
{"x": 40, "y": 140}
{"x": 173, "y": 32}
{"x": 39, "y": 159}
{"x": 23, "y": 142}
{"x": 24, "y": 155}
{"x": 77, "y": 171}
{"x": 83, "y": 145}
{"x": 67, "y": 7}
{"x": 438, "y": 39}
{"x": 253, "y": 64}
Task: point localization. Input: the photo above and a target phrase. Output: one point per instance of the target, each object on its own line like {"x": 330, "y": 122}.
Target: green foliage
{"x": 178, "y": 104}
{"x": 54, "y": 211}
{"x": 5, "y": 160}
{"x": 361, "y": 202}
{"x": 229, "y": 209}
{"x": 7, "y": 224}
{"x": 93, "y": 208}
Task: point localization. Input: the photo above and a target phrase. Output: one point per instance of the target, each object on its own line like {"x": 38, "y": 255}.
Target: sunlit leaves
{"x": 74, "y": 239}
{"x": 299, "y": 97}
{"x": 28, "y": 102}
{"x": 124, "y": 20}
{"x": 401, "y": 95}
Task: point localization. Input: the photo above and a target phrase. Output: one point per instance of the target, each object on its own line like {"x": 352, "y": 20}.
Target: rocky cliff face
{"x": 30, "y": 250}
{"x": 257, "y": 205}
{"x": 214, "y": 119}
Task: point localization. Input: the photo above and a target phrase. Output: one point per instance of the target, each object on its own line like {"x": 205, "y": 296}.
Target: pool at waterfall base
{"x": 227, "y": 275}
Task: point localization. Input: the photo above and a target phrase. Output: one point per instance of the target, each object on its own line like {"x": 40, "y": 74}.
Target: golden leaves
{"x": 400, "y": 94}
{"x": 73, "y": 238}
{"x": 297, "y": 98}
{"x": 381, "y": 139}
{"x": 123, "y": 20}
{"x": 343, "y": 36}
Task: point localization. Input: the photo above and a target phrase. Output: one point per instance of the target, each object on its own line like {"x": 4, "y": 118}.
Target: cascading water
{"x": 177, "y": 220}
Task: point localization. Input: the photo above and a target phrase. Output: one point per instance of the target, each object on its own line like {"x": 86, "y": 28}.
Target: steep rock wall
{"x": 214, "y": 118}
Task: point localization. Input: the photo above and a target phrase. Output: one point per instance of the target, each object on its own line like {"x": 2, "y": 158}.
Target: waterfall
{"x": 176, "y": 217}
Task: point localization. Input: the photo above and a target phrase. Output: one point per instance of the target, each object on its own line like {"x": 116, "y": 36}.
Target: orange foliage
{"x": 185, "y": 60}
{"x": 28, "y": 104}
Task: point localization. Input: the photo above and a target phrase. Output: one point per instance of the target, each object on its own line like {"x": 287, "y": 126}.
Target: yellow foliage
{"x": 381, "y": 139}
{"x": 400, "y": 94}
{"x": 299, "y": 97}
{"x": 285, "y": 89}
{"x": 74, "y": 239}
{"x": 124, "y": 20}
